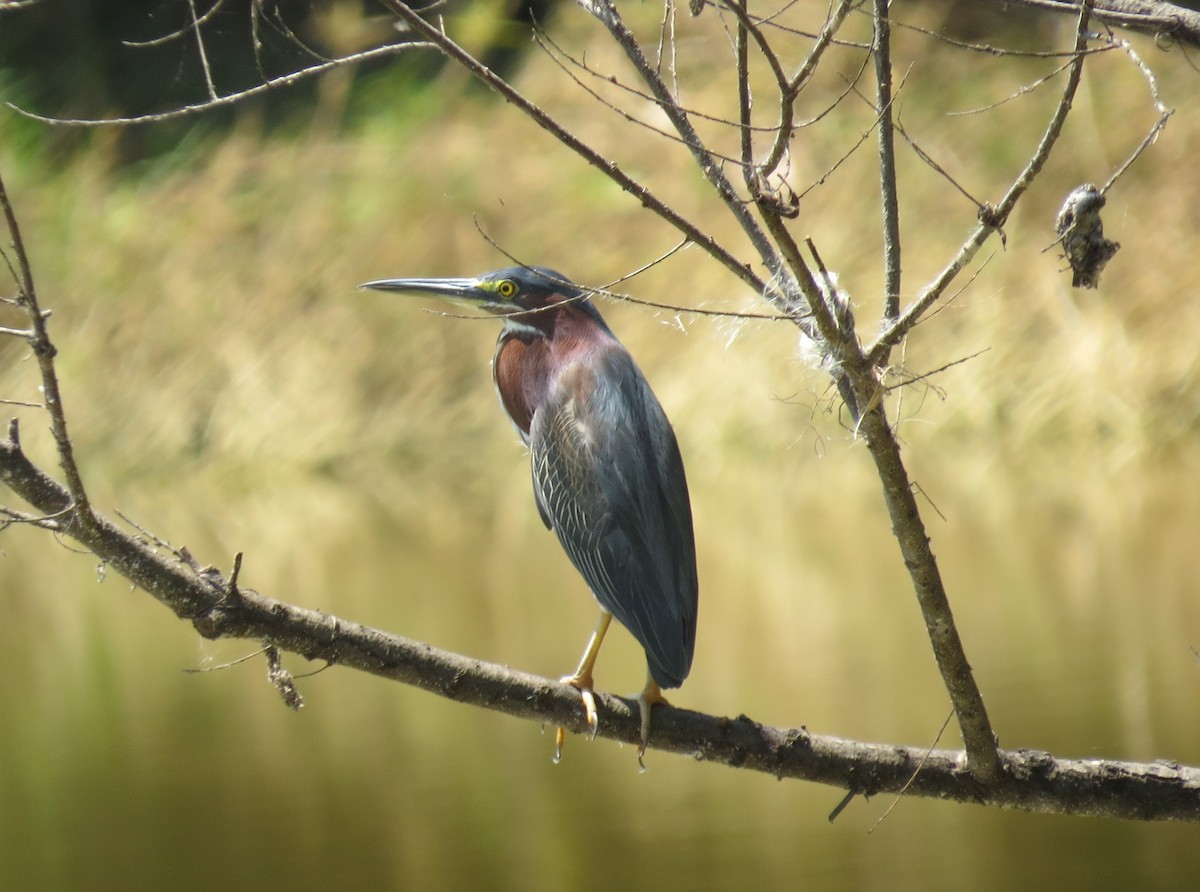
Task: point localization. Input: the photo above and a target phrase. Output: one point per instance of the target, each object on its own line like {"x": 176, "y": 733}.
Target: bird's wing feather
{"x": 609, "y": 479}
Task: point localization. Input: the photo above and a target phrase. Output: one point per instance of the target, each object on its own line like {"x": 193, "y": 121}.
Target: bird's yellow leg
{"x": 582, "y": 680}
{"x": 650, "y": 695}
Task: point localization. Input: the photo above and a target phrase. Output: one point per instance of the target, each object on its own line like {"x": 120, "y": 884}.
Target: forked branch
{"x": 993, "y": 219}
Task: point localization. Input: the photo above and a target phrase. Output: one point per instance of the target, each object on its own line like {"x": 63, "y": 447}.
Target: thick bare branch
{"x": 866, "y": 391}
{"x": 1031, "y": 781}
{"x": 1144, "y": 16}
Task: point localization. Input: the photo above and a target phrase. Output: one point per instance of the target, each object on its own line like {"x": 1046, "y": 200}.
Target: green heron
{"x": 607, "y": 474}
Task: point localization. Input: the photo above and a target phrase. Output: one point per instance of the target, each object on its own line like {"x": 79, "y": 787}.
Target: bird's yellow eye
{"x": 506, "y": 288}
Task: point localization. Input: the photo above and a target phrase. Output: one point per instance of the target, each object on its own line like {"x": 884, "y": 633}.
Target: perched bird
{"x": 607, "y": 474}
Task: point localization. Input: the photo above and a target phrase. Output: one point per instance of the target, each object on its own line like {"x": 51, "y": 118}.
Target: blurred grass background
{"x": 231, "y": 391}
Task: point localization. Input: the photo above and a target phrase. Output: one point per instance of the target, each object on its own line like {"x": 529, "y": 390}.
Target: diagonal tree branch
{"x": 1144, "y": 16}
{"x": 907, "y": 524}
{"x": 836, "y": 329}
{"x": 217, "y": 608}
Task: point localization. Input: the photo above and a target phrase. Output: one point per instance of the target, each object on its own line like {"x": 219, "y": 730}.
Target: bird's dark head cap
{"x": 528, "y": 287}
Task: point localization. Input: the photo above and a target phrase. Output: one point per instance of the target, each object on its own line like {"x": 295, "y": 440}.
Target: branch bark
{"x": 217, "y": 608}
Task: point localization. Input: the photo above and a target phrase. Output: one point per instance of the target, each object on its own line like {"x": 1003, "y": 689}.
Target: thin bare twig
{"x": 604, "y": 291}
{"x": 281, "y": 27}
{"x": 164, "y": 39}
{"x": 916, "y": 379}
{"x": 208, "y": 78}
{"x": 1023, "y": 90}
{"x": 747, "y": 25}
{"x": 44, "y": 350}
{"x": 256, "y": 42}
{"x": 547, "y": 44}
{"x": 851, "y": 87}
{"x": 887, "y": 163}
{"x": 772, "y": 21}
{"x": 559, "y": 54}
{"x": 606, "y": 13}
{"x": 928, "y": 160}
{"x": 34, "y": 520}
{"x": 608, "y": 167}
{"x": 790, "y": 91}
{"x": 900, "y": 795}
{"x": 276, "y": 83}
{"x": 199, "y": 670}
{"x": 987, "y": 48}
{"x": 1164, "y": 113}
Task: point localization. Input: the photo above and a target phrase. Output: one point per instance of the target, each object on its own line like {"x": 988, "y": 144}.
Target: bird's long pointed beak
{"x": 461, "y": 291}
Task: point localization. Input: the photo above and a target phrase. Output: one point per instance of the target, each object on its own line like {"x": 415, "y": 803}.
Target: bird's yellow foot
{"x": 584, "y": 686}
{"x": 646, "y": 699}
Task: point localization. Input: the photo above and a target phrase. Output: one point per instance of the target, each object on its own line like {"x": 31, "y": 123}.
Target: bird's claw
{"x": 644, "y": 707}
{"x": 645, "y": 701}
{"x": 589, "y": 711}
{"x": 584, "y": 686}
